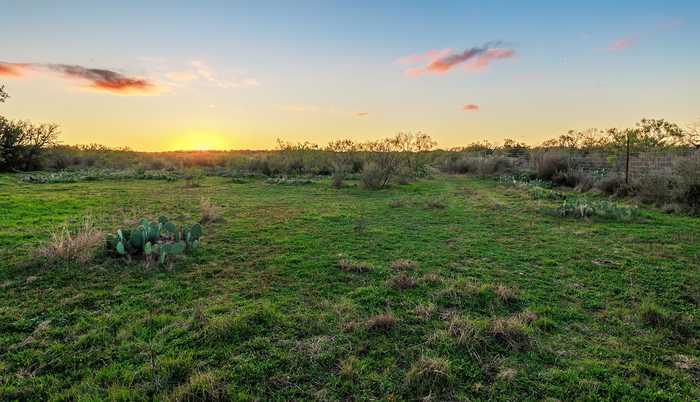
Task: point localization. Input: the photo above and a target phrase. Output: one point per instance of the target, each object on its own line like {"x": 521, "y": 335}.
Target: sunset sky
{"x": 219, "y": 75}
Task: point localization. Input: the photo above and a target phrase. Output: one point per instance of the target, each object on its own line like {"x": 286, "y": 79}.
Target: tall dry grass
{"x": 79, "y": 246}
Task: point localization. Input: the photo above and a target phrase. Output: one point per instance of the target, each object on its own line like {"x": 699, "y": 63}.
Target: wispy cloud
{"x": 361, "y": 114}
{"x": 470, "y": 107}
{"x": 622, "y": 44}
{"x": 96, "y": 78}
{"x": 670, "y": 23}
{"x": 201, "y": 70}
{"x": 443, "y": 60}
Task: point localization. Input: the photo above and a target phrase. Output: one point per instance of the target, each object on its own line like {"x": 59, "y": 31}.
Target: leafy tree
{"x": 3, "y": 94}
{"x": 21, "y": 143}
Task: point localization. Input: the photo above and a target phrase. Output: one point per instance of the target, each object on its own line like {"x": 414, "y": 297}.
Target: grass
{"x": 508, "y": 303}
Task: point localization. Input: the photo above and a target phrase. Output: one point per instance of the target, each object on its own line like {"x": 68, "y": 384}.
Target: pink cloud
{"x": 470, "y": 107}
{"x": 622, "y": 44}
{"x": 442, "y": 61}
{"x": 96, "y": 79}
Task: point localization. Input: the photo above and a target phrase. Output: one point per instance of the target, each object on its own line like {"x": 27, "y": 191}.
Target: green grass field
{"x": 506, "y": 302}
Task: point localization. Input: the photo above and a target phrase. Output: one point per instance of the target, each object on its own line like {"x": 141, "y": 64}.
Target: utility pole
{"x": 627, "y": 162}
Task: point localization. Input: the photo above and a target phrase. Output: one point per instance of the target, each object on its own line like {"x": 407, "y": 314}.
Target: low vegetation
{"x": 313, "y": 292}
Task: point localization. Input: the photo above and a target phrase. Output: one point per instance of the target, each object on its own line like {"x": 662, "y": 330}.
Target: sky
{"x": 169, "y": 75}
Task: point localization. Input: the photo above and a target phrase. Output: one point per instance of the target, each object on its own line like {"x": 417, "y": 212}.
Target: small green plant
{"x": 583, "y": 208}
{"x": 288, "y": 181}
{"x": 155, "y": 239}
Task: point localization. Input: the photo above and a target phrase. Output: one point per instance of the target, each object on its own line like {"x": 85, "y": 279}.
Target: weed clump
{"x": 80, "y": 246}
{"x": 429, "y": 374}
{"x": 348, "y": 265}
{"x": 512, "y": 331}
{"x": 506, "y": 294}
{"x": 404, "y": 265}
{"x": 210, "y": 212}
{"x": 202, "y": 386}
{"x": 436, "y": 203}
{"x": 402, "y": 282}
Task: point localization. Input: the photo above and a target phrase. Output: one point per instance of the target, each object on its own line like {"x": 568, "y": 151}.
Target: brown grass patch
{"x": 210, "y": 212}
{"x": 381, "y": 323}
{"x": 402, "y": 282}
{"x": 425, "y": 311}
{"x": 429, "y": 374}
{"x": 512, "y": 331}
{"x": 506, "y": 294}
{"x": 404, "y": 265}
{"x": 464, "y": 332}
{"x": 79, "y": 247}
{"x": 348, "y": 265}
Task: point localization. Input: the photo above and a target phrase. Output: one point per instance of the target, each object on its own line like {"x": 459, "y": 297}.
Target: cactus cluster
{"x": 158, "y": 239}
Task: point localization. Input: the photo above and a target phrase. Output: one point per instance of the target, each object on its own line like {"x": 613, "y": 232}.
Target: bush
{"x": 612, "y": 185}
{"x": 22, "y": 144}
{"x": 374, "y": 177}
{"x": 495, "y": 165}
{"x": 687, "y": 189}
{"x": 548, "y": 164}
{"x": 655, "y": 189}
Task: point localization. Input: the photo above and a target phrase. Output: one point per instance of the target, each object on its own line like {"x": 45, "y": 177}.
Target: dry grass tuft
{"x": 381, "y": 323}
{"x": 507, "y": 374}
{"x": 429, "y": 374}
{"x": 431, "y": 279}
{"x": 203, "y": 386}
{"x": 353, "y": 266}
{"x": 402, "y": 282}
{"x": 404, "y": 265}
{"x": 397, "y": 203}
{"x": 464, "y": 332}
{"x": 79, "y": 247}
{"x": 507, "y": 295}
{"x": 512, "y": 331}
{"x": 210, "y": 212}
{"x": 436, "y": 203}
{"x": 425, "y": 311}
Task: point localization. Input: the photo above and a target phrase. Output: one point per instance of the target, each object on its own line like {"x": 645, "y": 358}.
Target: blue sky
{"x": 241, "y": 74}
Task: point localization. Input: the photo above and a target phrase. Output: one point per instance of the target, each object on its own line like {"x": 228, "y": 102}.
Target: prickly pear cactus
{"x": 159, "y": 240}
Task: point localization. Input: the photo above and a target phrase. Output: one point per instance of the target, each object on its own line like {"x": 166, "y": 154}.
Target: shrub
{"x": 22, "y": 144}
{"x": 381, "y": 323}
{"x": 548, "y": 164}
{"x": 688, "y": 184}
{"x": 611, "y": 185}
{"x": 374, "y": 177}
{"x": 495, "y": 165}
{"x": 655, "y": 189}
{"x": 210, "y": 212}
{"x": 80, "y": 246}
{"x": 337, "y": 181}
{"x": 193, "y": 177}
